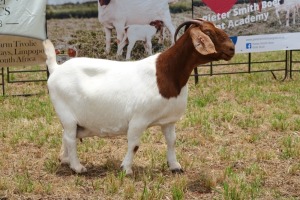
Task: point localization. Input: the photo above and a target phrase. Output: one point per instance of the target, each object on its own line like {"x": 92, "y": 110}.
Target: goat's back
{"x": 134, "y": 11}
{"x": 140, "y": 32}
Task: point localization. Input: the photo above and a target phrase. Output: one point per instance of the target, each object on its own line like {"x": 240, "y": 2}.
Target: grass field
{"x": 239, "y": 139}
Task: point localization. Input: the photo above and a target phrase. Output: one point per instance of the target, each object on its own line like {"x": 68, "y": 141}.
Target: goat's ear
{"x": 202, "y": 42}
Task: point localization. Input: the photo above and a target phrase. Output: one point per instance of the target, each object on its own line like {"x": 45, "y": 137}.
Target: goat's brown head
{"x": 158, "y": 24}
{"x": 208, "y": 39}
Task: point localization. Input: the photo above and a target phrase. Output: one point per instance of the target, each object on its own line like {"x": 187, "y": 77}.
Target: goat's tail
{"x": 51, "y": 55}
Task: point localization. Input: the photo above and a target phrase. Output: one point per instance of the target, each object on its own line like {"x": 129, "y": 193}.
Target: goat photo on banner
{"x": 112, "y": 30}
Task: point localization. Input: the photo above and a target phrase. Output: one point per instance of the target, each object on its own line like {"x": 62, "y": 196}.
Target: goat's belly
{"x": 101, "y": 131}
{"x": 164, "y": 121}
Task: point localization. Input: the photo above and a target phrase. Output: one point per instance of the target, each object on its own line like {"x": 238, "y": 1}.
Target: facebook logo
{"x": 248, "y": 46}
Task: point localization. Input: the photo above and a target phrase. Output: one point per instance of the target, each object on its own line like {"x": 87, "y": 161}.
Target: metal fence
{"x": 17, "y": 75}
{"x": 248, "y": 65}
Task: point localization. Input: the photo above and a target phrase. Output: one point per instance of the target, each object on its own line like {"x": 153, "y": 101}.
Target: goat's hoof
{"x": 128, "y": 172}
{"x": 64, "y": 161}
{"x": 79, "y": 169}
{"x": 177, "y": 171}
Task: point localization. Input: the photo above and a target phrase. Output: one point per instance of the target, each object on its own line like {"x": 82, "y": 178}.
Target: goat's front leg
{"x": 133, "y": 136}
{"x": 107, "y": 39}
{"x": 170, "y": 135}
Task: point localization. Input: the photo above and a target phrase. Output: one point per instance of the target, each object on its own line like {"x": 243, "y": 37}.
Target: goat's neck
{"x": 175, "y": 65}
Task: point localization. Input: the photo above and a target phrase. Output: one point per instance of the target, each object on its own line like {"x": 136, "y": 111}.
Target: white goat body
{"x": 97, "y": 97}
{"x": 135, "y": 33}
{"x": 91, "y": 82}
{"x": 120, "y": 13}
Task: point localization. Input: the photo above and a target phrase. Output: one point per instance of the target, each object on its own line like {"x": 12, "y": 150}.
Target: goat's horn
{"x": 187, "y": 24}
{"x": 200, "y": 19}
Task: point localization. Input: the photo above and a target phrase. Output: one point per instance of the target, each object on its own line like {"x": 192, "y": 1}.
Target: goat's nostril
{"x": 231, "y": 49}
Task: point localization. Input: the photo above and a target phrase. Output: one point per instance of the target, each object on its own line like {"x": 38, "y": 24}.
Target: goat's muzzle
{"x": 228, "y": 53}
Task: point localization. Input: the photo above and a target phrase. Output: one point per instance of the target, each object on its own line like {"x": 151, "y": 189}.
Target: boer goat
{"x": 98, "y": 97}
{"x": 118, "y": 14}
{"x": 290, "y": 6}
{"x": 143, "y": 33}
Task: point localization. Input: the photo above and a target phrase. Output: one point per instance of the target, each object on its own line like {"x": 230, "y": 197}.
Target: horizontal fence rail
{"x": 213, "y": 68}
{"x": 10, "y": 72}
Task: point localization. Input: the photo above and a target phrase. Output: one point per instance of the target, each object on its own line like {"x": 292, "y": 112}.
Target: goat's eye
{"x": 207, "y": 32}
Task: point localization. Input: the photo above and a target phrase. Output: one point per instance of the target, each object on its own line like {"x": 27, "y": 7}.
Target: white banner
{"x": 270, "y": 42}
{"x": 255, "y": 25}
{"x": 25, "y": 18}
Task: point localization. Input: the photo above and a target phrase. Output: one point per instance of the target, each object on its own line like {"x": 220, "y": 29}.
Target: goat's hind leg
{"x": 107, "y": 39}
{"x": 64, "y": 156}
{"x": 170, "y": 27}
{"x": 129, "y": 49}
{"x": 69, "y": 148}
{"x": 170, "y": 135}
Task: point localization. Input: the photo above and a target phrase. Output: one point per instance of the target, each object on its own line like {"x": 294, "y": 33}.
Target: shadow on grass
{"x": 112, "y": 166}
{"x": 200, "y": 182}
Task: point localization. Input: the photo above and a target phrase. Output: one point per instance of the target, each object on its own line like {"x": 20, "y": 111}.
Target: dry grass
{"x": 239, "y": 139}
